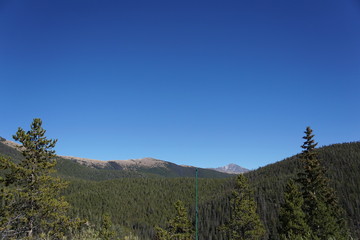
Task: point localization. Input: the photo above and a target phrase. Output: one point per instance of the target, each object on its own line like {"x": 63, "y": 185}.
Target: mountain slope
{"x": 152, "y": 199}
{"x": 139, "y": 202}
{"x": 89, "y": 169}
{"x": 342, "y": 162}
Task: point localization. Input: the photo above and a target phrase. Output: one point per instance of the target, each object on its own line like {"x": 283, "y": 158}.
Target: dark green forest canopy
{"x": 342, "y": 162}
{"x": 138, "y": 202}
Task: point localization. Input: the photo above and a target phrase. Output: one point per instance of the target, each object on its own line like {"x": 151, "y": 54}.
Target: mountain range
{"x": 134, "y": 167}
{"x": 139, "y": 197}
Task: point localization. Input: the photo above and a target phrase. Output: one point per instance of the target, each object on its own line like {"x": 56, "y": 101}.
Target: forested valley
{"x": 138, "y": 203}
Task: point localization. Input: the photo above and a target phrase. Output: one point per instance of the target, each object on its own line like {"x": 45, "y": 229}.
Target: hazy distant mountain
{"x": 96, "y": 169}
{"x": 148, "y": 165}
{"x": 119, "y": 164}
{"x": 231, "y": 169}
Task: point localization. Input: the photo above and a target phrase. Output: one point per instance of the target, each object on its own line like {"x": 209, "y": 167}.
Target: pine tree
{"x": 31, "y": 203}
{"x": 293, "y": 224}
{"x": 179, "y": 227}
{"x": 324, "y": 215}
{"x": 244, "y": 221}
{"x": 106, "y": 231}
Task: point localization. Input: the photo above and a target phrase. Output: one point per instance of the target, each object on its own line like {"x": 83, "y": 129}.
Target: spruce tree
{"x": 324, "y": 216}
{"x": 106, "y": 232}
{"x": 244, "y": 221}
{"x": 293, "y": 224}
{"x": 32, "y": 207}
{"x": 179, "y": 227}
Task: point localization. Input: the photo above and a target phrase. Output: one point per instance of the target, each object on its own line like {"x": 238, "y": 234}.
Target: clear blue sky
{"x": 201, "y": 83}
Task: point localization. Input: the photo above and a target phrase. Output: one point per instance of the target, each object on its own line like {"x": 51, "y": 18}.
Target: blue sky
{"x": 202, "y": 83}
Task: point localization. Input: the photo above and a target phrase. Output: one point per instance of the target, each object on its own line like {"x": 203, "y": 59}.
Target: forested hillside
{"x": 142, "y": 203}
{"x": 342, "y": 162}
{"x": 137, "y": 202}
{"x": 152, "y": 199}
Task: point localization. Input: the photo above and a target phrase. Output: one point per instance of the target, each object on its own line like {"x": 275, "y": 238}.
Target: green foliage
{"x": 342, "y": 162}
{"x": 138, "y": 204}
{"x": 179, "y": 227}
{"x": 31, "y": 205}
{"x": 244, "y": 221}
{"x": 106, "y": 231}
{"x": 323, "y": 214}
{"x": 86, "y": 234}
{"x": 292, "y": 217}
{"x": 131, "y": 237}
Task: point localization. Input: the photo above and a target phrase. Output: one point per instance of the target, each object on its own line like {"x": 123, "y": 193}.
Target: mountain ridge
{"x": 133, "y": 164}
{"x": 119, "y": 168}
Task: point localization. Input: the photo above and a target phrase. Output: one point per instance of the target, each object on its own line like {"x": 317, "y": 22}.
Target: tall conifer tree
{"x": 32, "y": 207}
{"x": 179, "y": 227}
{"x": 244, "y": 221}
{"x": 293, "y": 224}
{"x": 324, "y": 216}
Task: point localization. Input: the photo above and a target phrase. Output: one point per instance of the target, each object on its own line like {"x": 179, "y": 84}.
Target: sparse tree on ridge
{"x": 32, "y": 207}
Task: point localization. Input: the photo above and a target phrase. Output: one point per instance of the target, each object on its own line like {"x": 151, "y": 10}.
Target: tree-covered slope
{"x": 142, "y": 203}
{"x": 139, "y": 202}
{"x": 342, "y": 162}
{"x": 134, "y": 199}
{"x": 7, "y": 151}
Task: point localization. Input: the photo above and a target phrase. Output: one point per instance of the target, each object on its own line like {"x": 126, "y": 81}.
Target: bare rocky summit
{"x": 122, "y": 164}
{"x": 148, "y": 165}
{"x": 119, "y": 164}
{"x": 231, "y": 169}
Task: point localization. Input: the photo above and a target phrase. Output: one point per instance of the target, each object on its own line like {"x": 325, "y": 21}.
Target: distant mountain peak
{"x": 147, "y": 162}
{"x": 231, "y": 168}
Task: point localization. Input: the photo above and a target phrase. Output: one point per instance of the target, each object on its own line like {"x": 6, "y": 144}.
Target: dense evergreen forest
{"x": 138, "y": 201}
{"x": 342, "y": 162}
